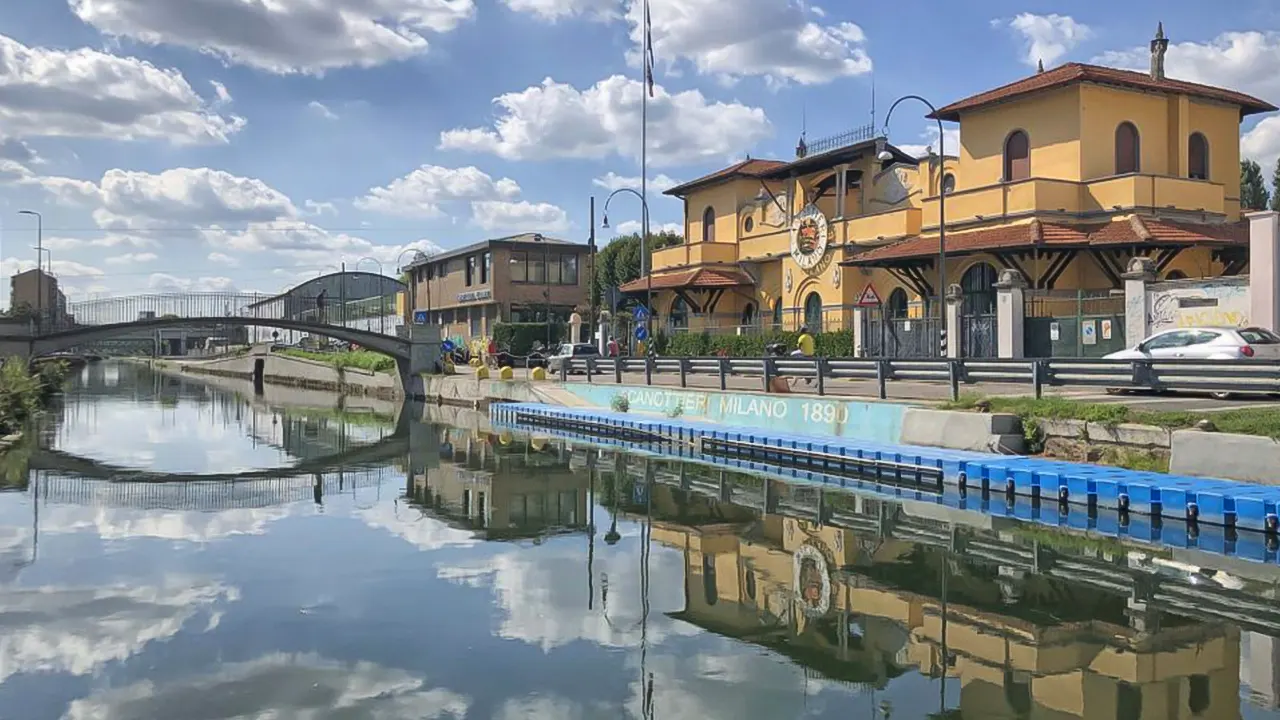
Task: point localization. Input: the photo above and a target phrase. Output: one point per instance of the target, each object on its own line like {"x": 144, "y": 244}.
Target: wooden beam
{"x": 1058, "y": 266}
{"x": 1166, "y": 256}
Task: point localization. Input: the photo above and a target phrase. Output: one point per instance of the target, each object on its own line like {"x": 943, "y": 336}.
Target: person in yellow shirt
{"x": 805, "y": 345}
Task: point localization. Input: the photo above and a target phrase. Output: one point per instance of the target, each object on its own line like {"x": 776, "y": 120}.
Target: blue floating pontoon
{"x": 975, "y": 477}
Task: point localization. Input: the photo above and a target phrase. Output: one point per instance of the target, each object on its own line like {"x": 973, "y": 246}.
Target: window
{"x": 1017, "y": 157}
{"x": 1197, "y": 157}
{"x": 471, "y": 270}
{"x": 948, "y": 184}
{"x": 1128, "y": 153}
{"x": 777, "y": 313}
{"x": 569, "y": 273}
{"x": 679, "y": 313}
{"x": 537, "y": 268}
{"x": 748, "y": 224}
{"x": 1177, "y": 338}
{"x": 555, "y": 270}
{"x": 709, "y": 225}
{"x": 1259, "y": 336}
{"x": 519, "y": 268}
{"x": 896, "y": 308}
{"x": 486, "y": 264}
{"x": 748, "y": 314}
{"x": 813, "y": 312}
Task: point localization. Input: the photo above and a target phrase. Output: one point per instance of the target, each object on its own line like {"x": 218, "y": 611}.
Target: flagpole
{"x": 647, "y": 64}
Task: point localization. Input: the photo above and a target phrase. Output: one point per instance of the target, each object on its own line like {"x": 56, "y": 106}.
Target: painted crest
{"x": 812, "y": 580}
{"x": 809, "y": 237}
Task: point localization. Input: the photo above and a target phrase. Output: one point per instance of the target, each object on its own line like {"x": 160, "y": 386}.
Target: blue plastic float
{"x": 969, "y": 475}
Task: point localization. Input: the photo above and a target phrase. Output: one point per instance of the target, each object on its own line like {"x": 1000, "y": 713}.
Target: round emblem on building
{"x": 809, "y": 237}
{"x": 812, "y": 580}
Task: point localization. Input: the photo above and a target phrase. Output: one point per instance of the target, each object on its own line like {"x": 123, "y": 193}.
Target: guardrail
{"x": 1227, "y": 376}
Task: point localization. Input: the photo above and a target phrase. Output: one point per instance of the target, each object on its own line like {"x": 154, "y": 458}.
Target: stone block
{"x": 962, "y": 430}
{"x": 1147, "y": 436}
{"x": 1065, "y": 429}
{"x": 1248, "y": 458}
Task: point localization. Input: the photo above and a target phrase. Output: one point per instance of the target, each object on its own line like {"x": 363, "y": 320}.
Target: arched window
{"x": 813, "y": 312}
{"x": 948, "y": 184}
{"x": 979, "y": 287}
{"x": 679, "y": 313}
{"x": 709, "y": 225}
{"x": 1128, "y": 153}
{"x": 1197, "y": 157}
{"x": 1017, "y": 156}
{"x": 777, "y": 313}
{"x": 749, "y": 315}
{"x": 896, "y": 307}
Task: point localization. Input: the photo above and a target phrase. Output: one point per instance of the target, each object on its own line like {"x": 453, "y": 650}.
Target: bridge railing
{"x": 1215, "y": 376}
{"x": 314, "y": 309}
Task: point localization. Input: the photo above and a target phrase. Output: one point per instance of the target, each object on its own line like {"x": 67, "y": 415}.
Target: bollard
{"x": 506, "y": 373}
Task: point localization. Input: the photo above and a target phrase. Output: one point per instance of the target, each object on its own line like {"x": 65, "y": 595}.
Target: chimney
{"x": 1159, "y": 46}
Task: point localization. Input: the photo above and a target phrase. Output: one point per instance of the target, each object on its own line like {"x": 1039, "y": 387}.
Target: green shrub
{"x": 620, "y": 403}
{"x": 838, "y": 343}
{"x": 21, "y": 393}
{"x": 519, "y": 338}
{"x": 361, "y": 359}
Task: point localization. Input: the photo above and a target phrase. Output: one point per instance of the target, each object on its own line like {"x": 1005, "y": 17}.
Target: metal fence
{"x": 1225, "y": 376}
{"x": 1073, "y": 323}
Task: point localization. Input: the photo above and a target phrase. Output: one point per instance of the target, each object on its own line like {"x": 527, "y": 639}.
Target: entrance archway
{"x": 978, "y": 311}
{"x": 813, "y": 312}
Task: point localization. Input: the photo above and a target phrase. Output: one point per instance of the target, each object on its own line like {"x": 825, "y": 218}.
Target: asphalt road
{"x": 927, "y": 392}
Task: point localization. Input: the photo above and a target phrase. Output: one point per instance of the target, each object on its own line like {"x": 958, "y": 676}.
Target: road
{"x": 926, "y": 392}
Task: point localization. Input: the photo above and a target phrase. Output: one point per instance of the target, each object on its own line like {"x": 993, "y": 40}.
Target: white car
{"x": 574, "y": 351}
{"x": 1205, "y": 343}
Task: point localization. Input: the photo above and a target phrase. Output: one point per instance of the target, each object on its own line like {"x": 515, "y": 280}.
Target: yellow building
{"x": 1062, "y": 176}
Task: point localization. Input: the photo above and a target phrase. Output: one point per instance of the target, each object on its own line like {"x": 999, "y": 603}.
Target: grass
{"x": 1249, "y": 421}
{"x": 362, "y": 359}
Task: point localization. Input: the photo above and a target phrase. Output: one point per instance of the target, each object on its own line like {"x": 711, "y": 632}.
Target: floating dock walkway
{"x": 948, "y": 475}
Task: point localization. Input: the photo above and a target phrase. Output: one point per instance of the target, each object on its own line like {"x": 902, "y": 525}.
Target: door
{"x": 1167, "y": 344}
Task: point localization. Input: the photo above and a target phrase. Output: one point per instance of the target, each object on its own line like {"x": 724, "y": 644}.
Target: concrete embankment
{"x": 283, "y": 370}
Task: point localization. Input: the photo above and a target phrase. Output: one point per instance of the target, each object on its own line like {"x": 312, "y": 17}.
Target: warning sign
{"x": 869, "y": 297}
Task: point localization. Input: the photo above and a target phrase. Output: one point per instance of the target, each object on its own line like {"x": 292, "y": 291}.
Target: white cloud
{"x": 132, "y": 258}
{"x": 320, "y": 208}
{"x": 612, "y": 181}
{"x": 165, "y": 283}
{"x": 422, "y": 191}
{"x": 1047, "y": 38}
{"x": 309, "y": 245}
{"x": 633, "y": 227}
{"x": 221, "y": 95}
{"x": 60, "y": 268}
{"x": 1243, "y": 61}
{"x": 930, "y": 135}
{"x": 774, "y": 39}
{"x": 556, "y": 120}
{"x": 87, "y": 93}
{"x": 554, "y": 10}
{"x": 522, "y": 216}
{"x": 1262, "y": 144}
{"x": 303, "y": 687}
{"x": 322, "y": 110}
{"x": 223, "y": 259}
{"x": 282, "y": 36}
{"x": 78, "y": 630}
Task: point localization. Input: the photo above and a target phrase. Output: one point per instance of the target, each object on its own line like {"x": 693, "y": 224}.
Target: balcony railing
{"x": 700, "y": 253}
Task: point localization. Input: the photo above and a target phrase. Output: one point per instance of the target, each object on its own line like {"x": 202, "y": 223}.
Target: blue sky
{"x": 223, "y": 145}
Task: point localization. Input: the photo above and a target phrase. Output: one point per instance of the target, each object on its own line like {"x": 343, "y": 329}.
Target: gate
{"x": 900, "y": 337}
{"x": 1073, "y": 323}
{"x": 978, "y": 335}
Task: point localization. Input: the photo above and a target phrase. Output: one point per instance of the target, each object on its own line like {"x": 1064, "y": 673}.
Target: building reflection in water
{"x": 1019, "y": 621}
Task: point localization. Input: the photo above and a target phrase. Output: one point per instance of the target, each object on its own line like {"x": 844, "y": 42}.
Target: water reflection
{"x": 468, "y": 573}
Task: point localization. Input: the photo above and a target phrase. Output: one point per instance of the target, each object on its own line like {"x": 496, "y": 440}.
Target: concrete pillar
{"x": 575, "y": 329}
{"x": 602, "y": 343}
{"x": 954, "y": 306}
{"x": 1264, "y": 269}
{"x": 859, "y": 331}
{"x": 1010, "y": 289}
{"x": 1140, "y": 271}
{"x": 424, "y": 355}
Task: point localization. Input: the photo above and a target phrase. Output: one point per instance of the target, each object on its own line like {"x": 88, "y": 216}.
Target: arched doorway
{"x": 895, "y": 308}
{"x": 813, "y": 312}
{"x": 978, "y": 311}
{"x": 748, "y": 315}
{"x": 679, "y": 319}
{"x": 777, "y": 313}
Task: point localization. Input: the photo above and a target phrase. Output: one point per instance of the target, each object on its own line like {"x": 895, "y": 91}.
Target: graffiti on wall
{"x": 1211, "y": 303}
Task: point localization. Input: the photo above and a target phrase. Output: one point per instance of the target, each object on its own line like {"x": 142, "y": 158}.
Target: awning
{"x": 691, "y": 279}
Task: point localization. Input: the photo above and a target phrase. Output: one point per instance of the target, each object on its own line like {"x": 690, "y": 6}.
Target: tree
{"x": 618, "y": 262}
{"x": 1253, "y": 190}
{"x": 1275, "y": 185}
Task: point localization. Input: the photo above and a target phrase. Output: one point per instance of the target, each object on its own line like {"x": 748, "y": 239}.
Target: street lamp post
{"x": 644, "y": 254}
{"x": 44, "y": 252}
{"x": 382, "y": 311}
{"x": 418, "y": 256}
{"x": 886, "y": 156}
{"x": 546, "y": 281}
{"x": 39, "y": 273}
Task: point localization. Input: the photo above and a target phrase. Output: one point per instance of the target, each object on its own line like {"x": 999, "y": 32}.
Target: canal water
{"x": 364, "y": 563}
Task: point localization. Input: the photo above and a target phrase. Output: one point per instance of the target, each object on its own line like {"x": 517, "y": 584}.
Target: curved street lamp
{"x": 645, "y": 270}
{"x": 418, "y": 256}
{"x": 39, "y": 274}
{"x": 885, "y": 156}
{"x": 382, "y": 315}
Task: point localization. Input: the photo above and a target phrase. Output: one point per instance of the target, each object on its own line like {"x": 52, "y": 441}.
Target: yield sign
{"x": 868, "y": 297}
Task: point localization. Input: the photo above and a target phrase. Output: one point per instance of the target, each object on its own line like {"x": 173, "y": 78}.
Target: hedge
{"x": 838, "y": 343}
{"x": 519, "y": 338}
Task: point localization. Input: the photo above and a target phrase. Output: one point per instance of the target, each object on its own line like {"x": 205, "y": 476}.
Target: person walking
{"x": 320, "y": 306}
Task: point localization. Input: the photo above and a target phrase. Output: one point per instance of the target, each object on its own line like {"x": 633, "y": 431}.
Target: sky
{"x": 237, "y": 146}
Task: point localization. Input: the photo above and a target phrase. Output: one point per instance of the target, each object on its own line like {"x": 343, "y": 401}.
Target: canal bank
{"x": 25, "y": 390}
{"x": 260, "y": 365}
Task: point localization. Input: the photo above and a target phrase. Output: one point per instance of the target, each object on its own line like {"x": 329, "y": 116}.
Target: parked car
{"x": 571, "y": 350}
{"x": 1205, "y": 343}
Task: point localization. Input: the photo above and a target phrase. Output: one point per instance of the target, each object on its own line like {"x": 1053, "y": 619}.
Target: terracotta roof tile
{"x": 1132, "y": 231}
{"x": 698, "y": 278}
{"x": 748, "y": 168}
{"x": 1080, "y": 72}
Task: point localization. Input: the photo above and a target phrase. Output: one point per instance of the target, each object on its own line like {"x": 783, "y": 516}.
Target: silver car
{"x": 1205, "y": 343}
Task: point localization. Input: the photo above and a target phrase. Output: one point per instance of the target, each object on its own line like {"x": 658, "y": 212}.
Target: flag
{"x": 648, "y": 50}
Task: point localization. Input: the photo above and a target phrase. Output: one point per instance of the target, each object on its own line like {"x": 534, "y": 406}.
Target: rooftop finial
{"x": 1040, "y": 66}
{"x": 1159, "y": 46}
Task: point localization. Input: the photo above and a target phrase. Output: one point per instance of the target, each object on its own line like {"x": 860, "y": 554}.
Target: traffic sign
{"x": 869, "y": 296}
{"x": 419, "y": 317}
{"x": 641, "y": 313}
{"x": 641, "y": 332}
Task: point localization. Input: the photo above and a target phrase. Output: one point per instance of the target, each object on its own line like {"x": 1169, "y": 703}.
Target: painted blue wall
{"x": 876, "y": 422}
